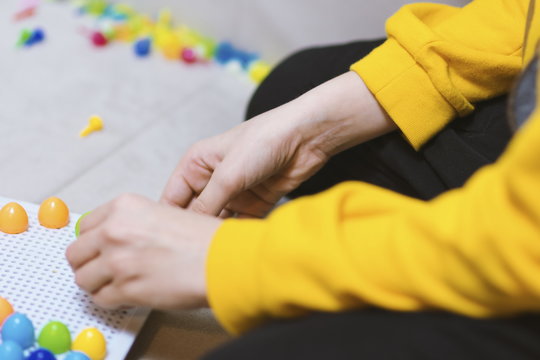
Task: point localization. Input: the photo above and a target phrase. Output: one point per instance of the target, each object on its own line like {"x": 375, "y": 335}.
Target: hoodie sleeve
{"x": 474, "y": 250}
{"x": 439, "y": 60}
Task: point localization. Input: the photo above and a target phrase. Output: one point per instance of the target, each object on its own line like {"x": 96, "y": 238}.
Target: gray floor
{"x": 153, "y": 110}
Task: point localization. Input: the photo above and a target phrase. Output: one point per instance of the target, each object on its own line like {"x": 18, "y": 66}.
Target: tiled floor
{"x": 153, "y": 110}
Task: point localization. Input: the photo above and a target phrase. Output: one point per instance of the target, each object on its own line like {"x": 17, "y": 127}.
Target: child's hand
{"x": 136, "y": 252}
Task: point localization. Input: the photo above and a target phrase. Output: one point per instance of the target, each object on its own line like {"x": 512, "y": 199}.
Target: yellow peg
{"x": 165, "y": 17}
{"x": 258, "y": 71}
{"x": 94, "y": 124}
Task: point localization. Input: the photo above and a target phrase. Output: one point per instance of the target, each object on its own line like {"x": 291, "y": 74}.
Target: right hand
{"x": 247, "y": 169}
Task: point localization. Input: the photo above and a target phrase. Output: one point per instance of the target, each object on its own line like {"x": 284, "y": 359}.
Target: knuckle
{"x": 195, "y": 150}
{"x": 121, "y": 265}
{"x": 105, "y": 302}
{"x": 127, "y": 293}
{"x": 124, "y": 201}
{"x": 69, "y": 255}
{"x": 112, "y": 231}
{"x": 117, "y": 229}
{"x": 79, "y": 280}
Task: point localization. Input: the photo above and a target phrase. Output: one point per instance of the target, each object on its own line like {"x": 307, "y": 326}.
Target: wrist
{"x": 341, "y": 113}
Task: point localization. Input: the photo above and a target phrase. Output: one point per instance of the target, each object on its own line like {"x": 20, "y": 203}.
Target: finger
{"x": 177, "y": 192}
{"x": 93, "y": 275}
{"x": 275, "y": 187}
{"x": 109, "y": 297}
{"x": 264, "y": 192}
{"x": 187, "y": 181}
{"x": 83, "y": 250}
{"x": 94, "y": 218}
{"x": 226, "y": 213}
{"x": 217, "y": 193}
{"x": 251, "y": 204}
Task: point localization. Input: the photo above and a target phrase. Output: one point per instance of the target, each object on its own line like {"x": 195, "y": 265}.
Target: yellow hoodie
{"x": 474, "y": 250}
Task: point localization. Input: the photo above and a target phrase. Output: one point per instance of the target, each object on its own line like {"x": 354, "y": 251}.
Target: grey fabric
{"x": 523, "y": 99}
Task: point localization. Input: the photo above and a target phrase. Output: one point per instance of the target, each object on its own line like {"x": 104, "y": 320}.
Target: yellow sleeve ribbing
{"x": 439, "y": 60}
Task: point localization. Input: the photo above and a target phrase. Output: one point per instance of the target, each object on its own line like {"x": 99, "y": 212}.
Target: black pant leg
{"x": 445, "y": 162}
{"x": 378, "y": 334}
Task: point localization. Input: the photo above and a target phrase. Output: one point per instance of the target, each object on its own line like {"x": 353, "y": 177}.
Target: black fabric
{"x": 445, "y": 162}
{"x": 378, "y": 334}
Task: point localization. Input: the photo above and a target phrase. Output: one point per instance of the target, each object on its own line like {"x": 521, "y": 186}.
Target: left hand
{"x": 247, "y": 169}
{"x": 135, "y": 252}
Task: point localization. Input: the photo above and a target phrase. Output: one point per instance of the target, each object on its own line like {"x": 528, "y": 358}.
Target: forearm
{"x": 341, "y": 113}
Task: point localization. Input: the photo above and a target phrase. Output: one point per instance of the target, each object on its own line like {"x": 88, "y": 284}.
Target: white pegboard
{"x": 37, "y": 280}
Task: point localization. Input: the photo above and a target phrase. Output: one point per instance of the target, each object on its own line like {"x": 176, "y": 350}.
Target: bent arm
{"x": 439, "y": 60}
{"x": 475, "y": 250}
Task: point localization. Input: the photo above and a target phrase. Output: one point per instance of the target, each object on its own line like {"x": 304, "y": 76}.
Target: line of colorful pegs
{"x": 143, "y": 47}
{"x": 29, "y": 37}
{"x": 5, "y": 310}
{"x": 18, "y": 334}
{"x": 53, "y": 214}
{"x": 25, "y": 13}
{"x": 98, "y": 39}
{"x": 13, "y": 219}
{"x": 120, "y": 22}
{"x": 78, "y": 223}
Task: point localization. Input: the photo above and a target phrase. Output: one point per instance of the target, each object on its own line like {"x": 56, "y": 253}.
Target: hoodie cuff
{"x": 405, "y": 91}
{"x": 232, "y": 274}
